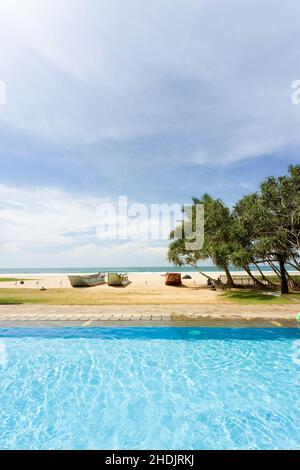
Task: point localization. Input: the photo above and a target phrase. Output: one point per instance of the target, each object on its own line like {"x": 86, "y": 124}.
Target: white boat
{"x": 89, "y": 280}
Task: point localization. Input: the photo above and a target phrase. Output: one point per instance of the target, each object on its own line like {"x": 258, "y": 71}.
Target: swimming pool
{"x": 149, "y": 388}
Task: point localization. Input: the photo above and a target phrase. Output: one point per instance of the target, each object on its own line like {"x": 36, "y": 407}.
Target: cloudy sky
{"x": 158, "y": 100}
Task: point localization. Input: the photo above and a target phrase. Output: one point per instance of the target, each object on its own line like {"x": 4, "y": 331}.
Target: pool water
{"x": 149, "y": 388}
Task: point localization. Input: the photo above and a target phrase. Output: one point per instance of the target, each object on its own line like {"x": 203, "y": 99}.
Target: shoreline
{"x": 215, "y": 274}
{"x": 158, "y": 271}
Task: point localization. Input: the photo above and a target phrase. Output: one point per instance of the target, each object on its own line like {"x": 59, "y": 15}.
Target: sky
{"x": 156, "y": 100}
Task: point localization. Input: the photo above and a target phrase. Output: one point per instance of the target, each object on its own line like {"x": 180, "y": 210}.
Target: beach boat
{"x": 173, "y": 279}
{"x": 89, "y": 280}
{"x": 117, "y": 279}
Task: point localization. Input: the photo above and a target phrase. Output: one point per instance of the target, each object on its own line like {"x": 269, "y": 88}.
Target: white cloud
{"x": 55, "y": 228}
{"x": 43, "y": 217}
{"x": 214, "y": 73}
{"x": 134, "y": 253}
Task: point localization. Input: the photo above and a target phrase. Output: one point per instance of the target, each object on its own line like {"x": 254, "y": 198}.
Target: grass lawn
{"x": 10, "y": 279}
{"x": 50, "y": 297}
{"x": 75, "y": 297}
{"x": 246, "y": 297}
{"x": 126, "y": 297}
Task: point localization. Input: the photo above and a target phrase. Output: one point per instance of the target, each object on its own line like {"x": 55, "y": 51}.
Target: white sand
{"x": 138, "y": 279}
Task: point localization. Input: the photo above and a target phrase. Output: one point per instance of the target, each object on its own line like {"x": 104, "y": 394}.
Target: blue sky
{"x": 157, "y": 100}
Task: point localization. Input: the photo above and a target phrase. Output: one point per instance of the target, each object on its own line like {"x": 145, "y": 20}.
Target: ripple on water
{"x": 208, "y": 388}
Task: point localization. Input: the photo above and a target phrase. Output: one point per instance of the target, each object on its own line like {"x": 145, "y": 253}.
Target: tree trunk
{"x": 214, "y": 281}
{"x": 264, "y": 277}
{"x": 276, "y": 271}
{"x": 230, "y": 281}
{"x": 293, "y": 283}
{"x": 256, "y": 281}
{"x": 283, "y": 280}
{"x": 296, "y": 266}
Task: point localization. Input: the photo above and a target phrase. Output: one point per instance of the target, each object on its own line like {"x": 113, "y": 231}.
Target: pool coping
{"x": 196, "y": 315}
{"x": 204, "y": 323}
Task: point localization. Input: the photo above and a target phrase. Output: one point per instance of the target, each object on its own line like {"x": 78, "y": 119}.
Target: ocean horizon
{"x": 128, "y": 269}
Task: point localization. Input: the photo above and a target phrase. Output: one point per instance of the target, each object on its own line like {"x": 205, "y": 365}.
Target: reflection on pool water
{"x": 151, "y": 388}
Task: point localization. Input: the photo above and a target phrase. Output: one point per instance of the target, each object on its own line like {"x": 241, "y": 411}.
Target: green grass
{"x": 10, "y": 279}
{"x": 253, "y": 297}
{"x": 97, "y": 297}
{"x": 10, "y": 301}
{"x": 48, "y": 297}
{"x": 276, "y": 279}
{"x": 11, "y": 296}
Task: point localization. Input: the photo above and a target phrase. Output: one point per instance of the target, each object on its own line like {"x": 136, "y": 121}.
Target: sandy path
{"x": 223, "y": 314}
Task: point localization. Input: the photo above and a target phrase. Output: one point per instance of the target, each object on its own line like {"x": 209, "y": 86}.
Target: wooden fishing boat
{"x": 117, "y": 279}
{"x": 173, "y": 279}
{"x": 89, "y": 280}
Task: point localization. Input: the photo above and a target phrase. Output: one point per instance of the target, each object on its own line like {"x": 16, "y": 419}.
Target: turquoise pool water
{"x": 146, "y": 388}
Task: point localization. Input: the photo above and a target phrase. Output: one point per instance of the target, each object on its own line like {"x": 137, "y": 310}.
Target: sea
{"x": 127, "y": 269}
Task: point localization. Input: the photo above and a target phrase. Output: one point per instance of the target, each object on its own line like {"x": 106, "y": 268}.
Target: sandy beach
{"x": 145, "y": 299}
{"x": 141, "y": 280}
{"x": 144, "y": 288}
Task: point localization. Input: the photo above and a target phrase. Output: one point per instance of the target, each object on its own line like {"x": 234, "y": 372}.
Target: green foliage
{"x": 217, "y": 238}
{"x": 263, "y": 227}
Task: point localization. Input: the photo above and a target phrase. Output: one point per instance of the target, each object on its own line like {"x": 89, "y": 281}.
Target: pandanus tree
{"x": 281, "y": 198}
{"x": 218, "y": 244}
{"x": 268, "y": 225}
{"x": 262, "y": 228}
{"x": 247, "y": 215}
